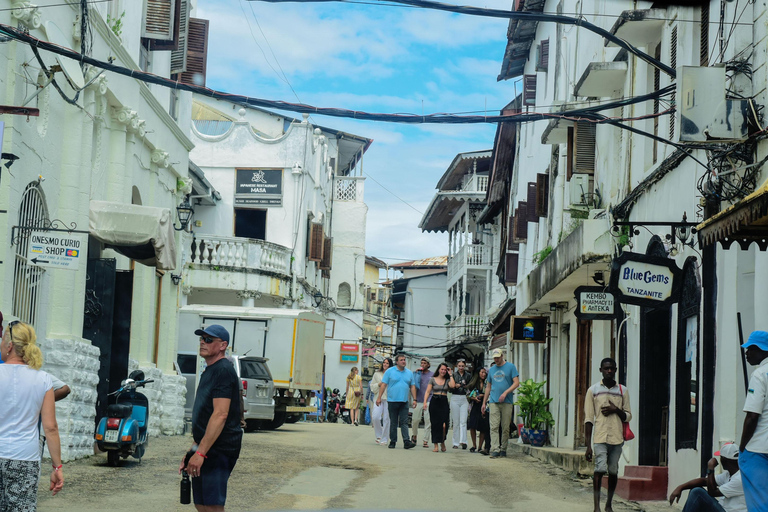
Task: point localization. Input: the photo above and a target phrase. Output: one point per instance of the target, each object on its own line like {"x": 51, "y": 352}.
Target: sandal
{"x": 426, "y": 445}
{"x": 442, "y": 447}
{"x": 472, "y": 450}
{"x": 413, "y": 439}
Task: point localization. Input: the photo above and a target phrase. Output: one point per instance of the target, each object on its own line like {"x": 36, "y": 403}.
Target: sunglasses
{"x": 207, "y": 339}
{"x": 10, "y": 328}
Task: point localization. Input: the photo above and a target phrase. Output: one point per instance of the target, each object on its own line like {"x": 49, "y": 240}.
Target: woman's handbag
{"x": 628, "y": 434}
{"x": 357, "y": 393}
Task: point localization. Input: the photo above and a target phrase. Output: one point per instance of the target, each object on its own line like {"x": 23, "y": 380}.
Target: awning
{"x": 142, "y": 233}
{"x": 744, "y": 222}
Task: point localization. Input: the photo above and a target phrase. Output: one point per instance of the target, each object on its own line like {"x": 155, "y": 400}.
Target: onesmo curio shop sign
{"x": 645, "y": 280}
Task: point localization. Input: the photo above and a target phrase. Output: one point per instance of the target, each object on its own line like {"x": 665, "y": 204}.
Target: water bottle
{"x": 185, "y": 489}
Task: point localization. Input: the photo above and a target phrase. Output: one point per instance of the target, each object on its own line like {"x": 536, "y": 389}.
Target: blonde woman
{"x": 380, "y": 414}
{"x": 354, "y": 394}
{"x": 27, "y": 395}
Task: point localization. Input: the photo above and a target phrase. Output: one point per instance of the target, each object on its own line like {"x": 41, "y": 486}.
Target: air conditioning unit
{"x": 703, "y": 112}
{"x": 580, "y": 189}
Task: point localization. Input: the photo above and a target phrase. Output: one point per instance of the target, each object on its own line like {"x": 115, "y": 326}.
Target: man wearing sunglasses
{"x": 215, "y": 423}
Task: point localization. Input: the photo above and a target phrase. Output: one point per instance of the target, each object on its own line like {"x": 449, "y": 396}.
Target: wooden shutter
{"x": 179, "y": 54}
{"x": 542, "y": 195}
{"x": 316, "y": 242}
{"x": 327, "y": 261}
{"x": 511, "y": 244}
{"x": 529, "y": 90}
{"x": 521, "y": 222}
{"x": 673, "y": 63}
{"x": 159, "y": 16}
{"x": 584, "y": 150}
{"x": 510, "y": 268}
{"x": 543, "y": 61}
{"x": 569, "y": 153}
{"x": 531, "y": 200}
{"x": 158, "y": 45}
{"x": 197, "y": 53}
{"x": 704, "y": 35}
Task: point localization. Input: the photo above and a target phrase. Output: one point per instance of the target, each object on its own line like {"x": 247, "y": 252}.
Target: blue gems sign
{"x": 645, "y": 280}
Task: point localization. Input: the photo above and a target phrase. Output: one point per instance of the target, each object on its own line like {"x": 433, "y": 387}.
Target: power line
{"x": 395, "y": 195}
{"x": 59, "y": 5}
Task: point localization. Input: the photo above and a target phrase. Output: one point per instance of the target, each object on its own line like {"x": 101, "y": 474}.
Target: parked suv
{"x": 258, "y": 391}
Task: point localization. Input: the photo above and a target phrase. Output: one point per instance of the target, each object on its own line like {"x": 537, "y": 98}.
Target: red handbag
{"x": 628, "y": 434}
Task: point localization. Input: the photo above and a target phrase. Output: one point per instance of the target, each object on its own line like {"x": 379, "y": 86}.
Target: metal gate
{"x": 27, "y": 278}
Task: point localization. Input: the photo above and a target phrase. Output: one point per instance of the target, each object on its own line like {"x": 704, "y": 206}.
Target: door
{"x": 653, "y": 395}
{"x": 583, "y": 365}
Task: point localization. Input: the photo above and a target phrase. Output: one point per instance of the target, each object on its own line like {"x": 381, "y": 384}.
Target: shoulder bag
{"x": 628, "y": 434}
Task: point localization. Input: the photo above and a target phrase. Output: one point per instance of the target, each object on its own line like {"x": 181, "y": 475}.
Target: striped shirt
{"x": 606, "y": 429}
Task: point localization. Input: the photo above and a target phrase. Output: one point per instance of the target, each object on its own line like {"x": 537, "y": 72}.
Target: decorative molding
{"x": 186, "y": 289}
{"x": 160, "y": 158}
{"x": 27, "y": 13}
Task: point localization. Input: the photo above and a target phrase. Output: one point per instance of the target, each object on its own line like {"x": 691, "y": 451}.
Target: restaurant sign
{"x": 259, "y": 187}
{"x": 644, "y": 280}
{"x": 594, "y": 303}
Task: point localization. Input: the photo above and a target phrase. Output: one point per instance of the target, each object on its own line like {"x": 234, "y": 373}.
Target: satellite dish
{"x": 69, "y": 67}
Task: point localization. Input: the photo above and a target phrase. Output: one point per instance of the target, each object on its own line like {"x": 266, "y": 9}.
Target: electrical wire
{"x": 68, "y": 4}
{"x": 395, "y": 195}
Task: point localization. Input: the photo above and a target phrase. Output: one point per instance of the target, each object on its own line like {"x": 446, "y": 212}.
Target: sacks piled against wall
{"x": 166, "y": 400}
{"x": 77, "y": 364}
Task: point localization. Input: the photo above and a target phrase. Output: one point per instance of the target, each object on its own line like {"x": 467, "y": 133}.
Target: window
{"x": 344, "y": 296}
{"x": 33, "y": 212}
{"x": 251, "y": 223}
{"x": 316, "y": 242}
{"x": 250, "y": 369}
{"x": 197, "y": 53}
{"x": 687, "y": 389}
{"x": 673, "y": 63}
{"x": 542, "y": 195}
{"x": 529, "y": 90}
{"x": 187, "y": 363}
{"x": 542, "y": 57}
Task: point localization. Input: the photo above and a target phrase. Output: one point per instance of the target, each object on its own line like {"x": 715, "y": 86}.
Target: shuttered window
{"x": 521, "y": 222}
{"x": 159, "y": 16}
{"x": 179, "y": 54}
{"x": 542, "y": 195}
{"x": 316, "y": 242}
{"x": 197, "y": 53}
{"x": 159, "y": 45}
{"x": 511, "y": 244}
{"x": 531, "y": 200}
{"x": 327, "y": 261}
{"x": 673, "y": 63}
{"x": 529, "y": 90}
{"x": 542, "y": 63}
{"x": 584, "y": 147}
{"x": 704, "y": 35}
{"x": 510, "y": 268}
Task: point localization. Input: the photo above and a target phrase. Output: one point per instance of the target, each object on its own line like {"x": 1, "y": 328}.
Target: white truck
{"x": 292, "y": 339}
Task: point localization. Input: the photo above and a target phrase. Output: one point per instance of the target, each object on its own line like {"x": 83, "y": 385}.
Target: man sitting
{"x": 727, "y": 484}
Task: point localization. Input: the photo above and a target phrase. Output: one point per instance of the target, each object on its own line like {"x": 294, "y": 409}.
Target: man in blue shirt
{"x": 503, "y": 379}
{"x": 399, "y": 383}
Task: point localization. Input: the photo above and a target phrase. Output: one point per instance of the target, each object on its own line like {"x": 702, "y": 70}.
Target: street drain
{"x": 322, "y": 482}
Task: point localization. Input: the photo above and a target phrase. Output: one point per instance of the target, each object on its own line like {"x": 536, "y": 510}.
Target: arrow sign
{"x": 57, "y": 249}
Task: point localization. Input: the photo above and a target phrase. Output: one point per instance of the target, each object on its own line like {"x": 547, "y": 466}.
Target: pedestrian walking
{"x": 439, "y": 411}
{"x": 380, "y": 414}
{"x": 478, "y": 420}
{"x": 422, "y": 403}
{"x": 503, "y": 380}
{"x": 459, "y": 404}
{"x": 216, "y": 427}
{"x": 606, "y": 407}
{"x": 354, "y": 395}
{"x": 27, "y": 397}
{"x": 753, "y": 458}
{"x": 705, "y": 491}
{"x": 398, "y": 383}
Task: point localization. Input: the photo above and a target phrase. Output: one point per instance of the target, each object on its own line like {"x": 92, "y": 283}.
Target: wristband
{"x": 58, "y": 468}
{"x": 710, "y": 471}
{"x": 202, "y": 455}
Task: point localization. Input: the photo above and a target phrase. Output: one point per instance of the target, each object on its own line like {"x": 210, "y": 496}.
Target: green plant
{"x": 116, "y": 23}
{"x": 540, "y": 256}
{"x": 533, "y": 405}
{"x": 623, "y": 238}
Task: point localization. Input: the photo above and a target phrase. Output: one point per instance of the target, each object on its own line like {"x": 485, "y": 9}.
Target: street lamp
{"x": 317, "y": 298}
{"x": 184, "y": 211}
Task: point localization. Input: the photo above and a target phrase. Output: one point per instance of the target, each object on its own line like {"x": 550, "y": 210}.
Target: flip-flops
{"x": 426, "y": 445}
{"x": 472, "y": 450}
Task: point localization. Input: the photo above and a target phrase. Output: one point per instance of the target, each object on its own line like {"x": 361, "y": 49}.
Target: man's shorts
{"x": 210, "y": 488}
{"x": 607, "y": 457}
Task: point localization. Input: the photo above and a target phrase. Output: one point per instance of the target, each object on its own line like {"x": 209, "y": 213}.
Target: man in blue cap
{"x": 215, "y": 423}
{"x": 753, "y": 459}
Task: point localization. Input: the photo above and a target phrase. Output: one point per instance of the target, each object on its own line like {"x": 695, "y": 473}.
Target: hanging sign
{"x": 644, "y": 280}
{"x": 349, "y": 358}
{"x": 594, "y": 303}
{"x": 55, "y": 249}
{"x": 529, "y": 329}
{"x": 259, "y": 187}
{"x": 350, "y": 347}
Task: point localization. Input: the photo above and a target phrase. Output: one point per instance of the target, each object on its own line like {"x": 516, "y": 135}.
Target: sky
{"x": 373, "y": 58}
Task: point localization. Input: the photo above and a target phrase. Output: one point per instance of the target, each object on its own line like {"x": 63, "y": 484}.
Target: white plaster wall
{"x": 347, "y": 330}
{"x": 425, "y": 304}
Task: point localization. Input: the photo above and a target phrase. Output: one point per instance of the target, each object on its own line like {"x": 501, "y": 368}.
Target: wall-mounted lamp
{"x": 553, "y": 306}
{"x": 184, "y": 211}
{"x": 10, "y": 157}
{"x": 176, "y": 278}
{"x": 598, "y": 277}
{"x": 317, "y": 299}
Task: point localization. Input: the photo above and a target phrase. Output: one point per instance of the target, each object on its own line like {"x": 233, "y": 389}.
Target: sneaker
{"x": 463, "y": 446}
{"x": 408, "y": 445}
{"x": 495, "y": 455}
{"x": 502, "y": 453}
{"x": 391, "y": 444}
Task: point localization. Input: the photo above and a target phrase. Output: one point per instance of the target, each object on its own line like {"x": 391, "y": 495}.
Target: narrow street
{"x": 309, "y": 466}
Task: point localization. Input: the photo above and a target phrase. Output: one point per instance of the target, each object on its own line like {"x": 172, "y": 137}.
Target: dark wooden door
{"x": 653, "y": 396}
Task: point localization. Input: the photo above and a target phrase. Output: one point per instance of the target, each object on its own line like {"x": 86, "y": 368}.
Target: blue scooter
{"x": 123, "y": 431}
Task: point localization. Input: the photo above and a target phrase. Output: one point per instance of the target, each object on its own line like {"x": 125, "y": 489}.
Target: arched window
{"x": 687, "y": 389}
{"x": 33, "y": 213}
{"x": 344, "y": 296}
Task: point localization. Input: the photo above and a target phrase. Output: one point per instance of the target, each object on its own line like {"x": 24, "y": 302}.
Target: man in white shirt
{"x": 726, "y": 485}
{"x": 753, "y": 459}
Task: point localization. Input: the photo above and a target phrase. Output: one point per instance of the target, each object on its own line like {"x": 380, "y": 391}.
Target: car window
{"x": 187, "y": 362}
{"x": 254, "y": 370}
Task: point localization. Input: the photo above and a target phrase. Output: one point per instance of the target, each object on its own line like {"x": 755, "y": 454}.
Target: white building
{"x": 101, "y": 160}
{"x": 573, "y": 180}
{"x": 286, "y": 227}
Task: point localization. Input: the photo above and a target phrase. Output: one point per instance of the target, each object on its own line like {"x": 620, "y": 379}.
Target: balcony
{"x": 474, "y": 183}
{"x": 469, "y": 256}
{"x": 467, "y": 326}
{"x": 348, "y": 188}
{"x": 240, "y": 253}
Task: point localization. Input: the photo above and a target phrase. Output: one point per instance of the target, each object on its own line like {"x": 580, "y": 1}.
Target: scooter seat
{"x": 119, "y": 410}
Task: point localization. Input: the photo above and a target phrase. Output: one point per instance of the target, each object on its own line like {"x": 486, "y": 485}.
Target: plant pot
{"x": 538, "y": 437}
{"x": 524, "y": 433}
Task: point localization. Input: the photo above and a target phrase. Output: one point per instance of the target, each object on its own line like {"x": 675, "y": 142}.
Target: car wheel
{"x": 251, "y": 425}
{"x": 293, "y": 418}
{"x": 277, "y": 422}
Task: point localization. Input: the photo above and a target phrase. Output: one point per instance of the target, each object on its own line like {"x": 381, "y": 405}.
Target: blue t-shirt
{"x": 501, "y": 378}
{"x": 398, "y": 384}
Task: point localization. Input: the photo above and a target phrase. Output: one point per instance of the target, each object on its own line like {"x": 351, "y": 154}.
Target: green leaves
{"x": 533, "y": 405}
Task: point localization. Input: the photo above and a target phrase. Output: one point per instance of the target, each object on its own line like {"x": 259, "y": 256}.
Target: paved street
{"x": 329, "y": 466}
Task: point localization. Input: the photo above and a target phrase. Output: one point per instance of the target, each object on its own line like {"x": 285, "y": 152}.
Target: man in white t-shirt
{"x": 754, "y": 435}
{"x": 706, "y": 491}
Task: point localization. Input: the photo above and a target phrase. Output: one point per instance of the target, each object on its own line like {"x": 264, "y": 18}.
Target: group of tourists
{"x": 477, "y": 403}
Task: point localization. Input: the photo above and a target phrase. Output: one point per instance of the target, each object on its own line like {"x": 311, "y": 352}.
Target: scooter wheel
{"x": 113, "y": 458}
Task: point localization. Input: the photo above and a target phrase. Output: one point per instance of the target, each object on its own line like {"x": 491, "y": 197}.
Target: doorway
{"x": 250, "y": 223}
{"x": 583, "y": 365}
{"x": 653, "y": 407}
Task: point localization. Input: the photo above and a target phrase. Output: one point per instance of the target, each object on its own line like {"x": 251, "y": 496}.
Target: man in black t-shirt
{"x": 215, "y": 423}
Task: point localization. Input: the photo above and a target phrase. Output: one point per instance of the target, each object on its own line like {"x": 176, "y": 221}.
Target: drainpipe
{"x": 296, "y": 173}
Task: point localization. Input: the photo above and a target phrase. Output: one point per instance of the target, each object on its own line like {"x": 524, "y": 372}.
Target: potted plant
{"x": 533, "y": 405}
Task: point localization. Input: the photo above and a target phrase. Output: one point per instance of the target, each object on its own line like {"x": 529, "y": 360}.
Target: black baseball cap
{"x": 215, "y": 331}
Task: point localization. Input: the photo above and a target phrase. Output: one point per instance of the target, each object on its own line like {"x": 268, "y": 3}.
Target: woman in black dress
{"x": 478, "y": 422}
{"x": 439, "y": 410}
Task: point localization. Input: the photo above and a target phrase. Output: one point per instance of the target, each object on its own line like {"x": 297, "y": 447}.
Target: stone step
{"x": 642, "y": 483}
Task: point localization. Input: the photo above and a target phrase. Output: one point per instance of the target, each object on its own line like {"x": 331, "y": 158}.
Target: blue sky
{"x": 376, "y": 59}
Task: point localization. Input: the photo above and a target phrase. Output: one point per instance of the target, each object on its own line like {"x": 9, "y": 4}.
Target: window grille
{"x": 26, "y": 277}
{"x": 346, "y": 190}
